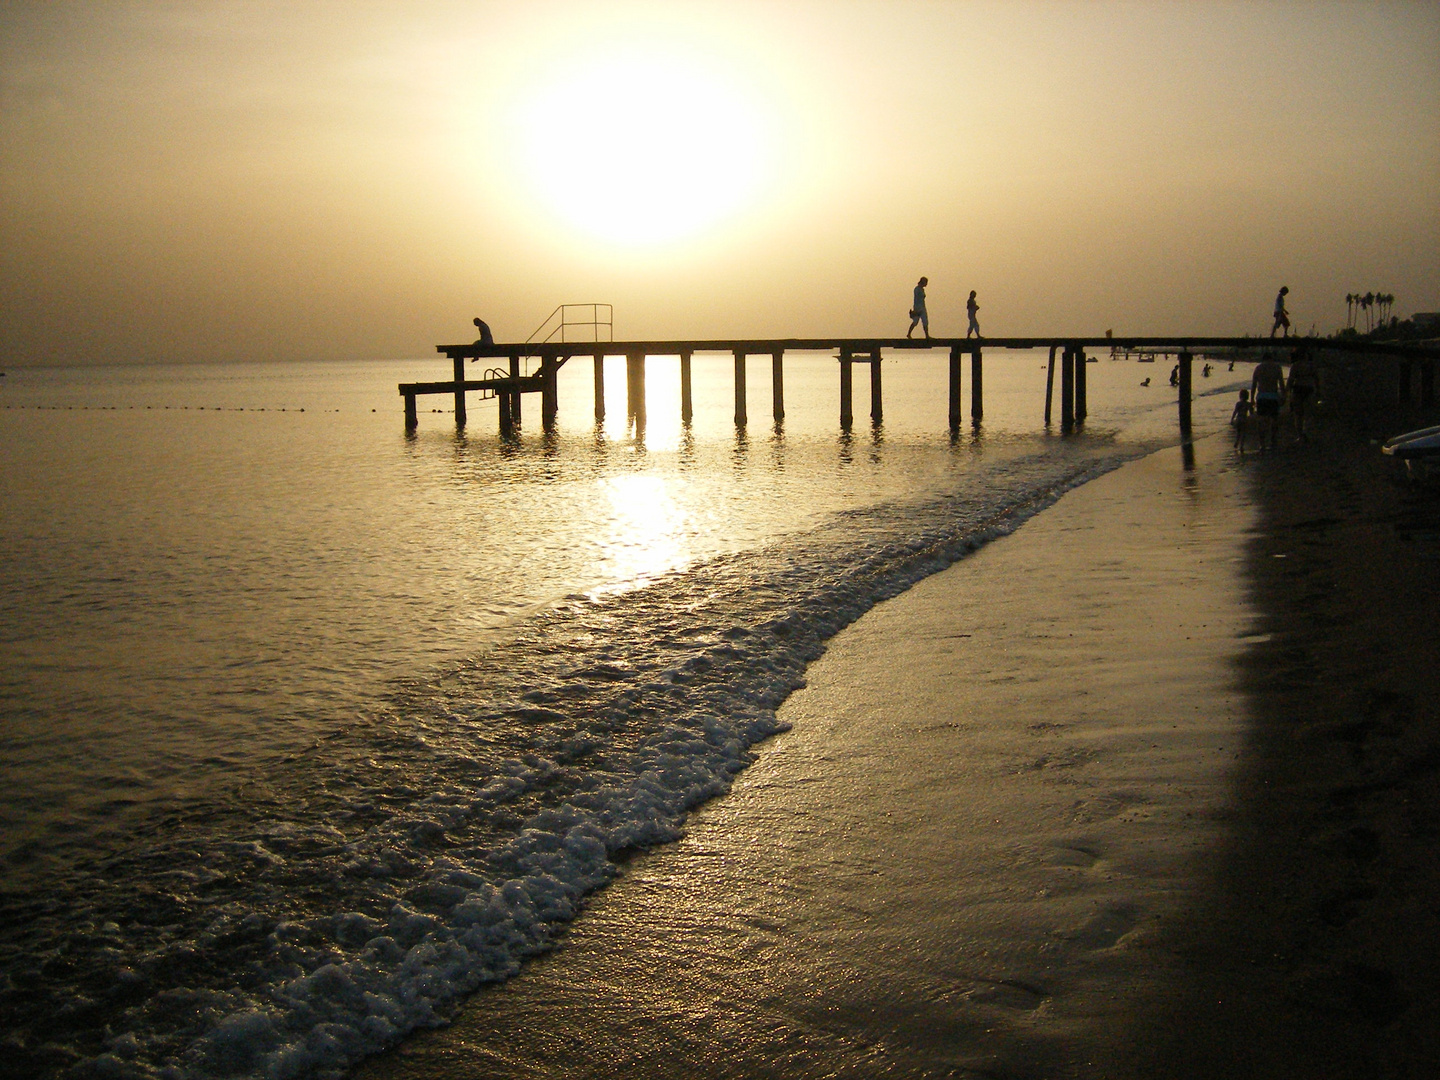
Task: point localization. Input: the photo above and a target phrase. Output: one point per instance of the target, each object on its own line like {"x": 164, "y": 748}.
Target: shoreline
{"x": 851, "y": 908}
{"x": 940, "y": 872}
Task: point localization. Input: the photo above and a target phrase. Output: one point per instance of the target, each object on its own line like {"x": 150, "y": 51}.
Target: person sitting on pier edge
{"x": 971, "y": 307}
{"x": 1282, "y": 317}
{"x": 918, "y": 314}
{"x": 486, "y": 338}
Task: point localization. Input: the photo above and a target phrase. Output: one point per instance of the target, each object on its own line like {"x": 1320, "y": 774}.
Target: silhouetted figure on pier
{"x": 971, "y": 307}
{"x": 486, "y": 338}
{"x": 1175, "y": 375}
{"x": 918, "y": 314}
{"x": 1268, "y": 387}
{"x": 1282, "y": 317}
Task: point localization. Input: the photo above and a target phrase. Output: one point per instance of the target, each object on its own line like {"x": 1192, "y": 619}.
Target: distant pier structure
{"x": 508, "y": 381}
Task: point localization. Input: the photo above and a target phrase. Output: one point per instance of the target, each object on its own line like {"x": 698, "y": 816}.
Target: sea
{"x": 312, "y": 725}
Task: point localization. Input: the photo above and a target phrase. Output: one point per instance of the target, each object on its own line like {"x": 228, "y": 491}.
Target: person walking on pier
{"x": 918, "y": 314}
{"x": 1282, "y": 317}
{"x": 971, "y": 307}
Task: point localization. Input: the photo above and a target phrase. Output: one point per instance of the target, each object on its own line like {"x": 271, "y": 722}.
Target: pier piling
{"x": 740, "y": 418}
{"x": 955, "y": 355}
{"x": 1050, "y": 384}
{"x": 1080, "y": 371}
{"x": 514, "y": 393}
{"x": 877, "y": 405}
{"x": 1185, "y": 385}
{"x": 635, "y": 385}
{"x": 599, "y": 386}
{"x": 977, "y": 386}
{"x": 1067, "y": 389}
{"x": 847, "y": 389}
{"x": 459, "y": 391}
{"x": 549, "y": 393}
{"x": 687, "y": 410}
{"x": 777, "y": 383}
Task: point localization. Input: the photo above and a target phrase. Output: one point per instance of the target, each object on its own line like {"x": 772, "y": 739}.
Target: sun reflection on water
{"x": 647, "y": 532}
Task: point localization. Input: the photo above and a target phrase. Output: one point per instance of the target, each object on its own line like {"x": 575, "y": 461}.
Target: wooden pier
{"x": 508, "y": 381}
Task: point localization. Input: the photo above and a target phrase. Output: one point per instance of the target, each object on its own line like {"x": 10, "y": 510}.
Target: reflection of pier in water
{"x": 510, "y": 382}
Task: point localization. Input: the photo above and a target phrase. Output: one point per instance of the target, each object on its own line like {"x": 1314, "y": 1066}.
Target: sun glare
{"x": 639, "y": 150}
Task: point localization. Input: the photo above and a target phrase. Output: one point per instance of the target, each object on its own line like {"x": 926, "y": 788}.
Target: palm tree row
{"x": 1379, "y": 303}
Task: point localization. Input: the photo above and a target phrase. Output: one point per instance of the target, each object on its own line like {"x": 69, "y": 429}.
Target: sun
{"x": 638, "y": 150}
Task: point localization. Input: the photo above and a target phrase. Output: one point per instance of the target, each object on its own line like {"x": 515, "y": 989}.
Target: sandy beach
{"x": 1148, "y": 788}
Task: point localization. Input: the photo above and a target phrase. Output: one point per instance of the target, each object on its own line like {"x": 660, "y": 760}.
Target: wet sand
{"x": 1148, "y": 788}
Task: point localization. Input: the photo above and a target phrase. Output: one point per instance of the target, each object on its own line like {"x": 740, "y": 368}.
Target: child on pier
{"x": 972, "y": 307}
{"x": 1240, "y": 419}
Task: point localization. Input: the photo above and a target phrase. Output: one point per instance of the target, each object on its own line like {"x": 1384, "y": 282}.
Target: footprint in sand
{"x": 1107, "y": 926}
{"x": 1074, "y": 855}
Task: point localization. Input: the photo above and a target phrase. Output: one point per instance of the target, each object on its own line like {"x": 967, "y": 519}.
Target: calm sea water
{"x": 309, "y": 725}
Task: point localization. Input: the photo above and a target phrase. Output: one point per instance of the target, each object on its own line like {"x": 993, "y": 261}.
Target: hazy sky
{"x": 247, "y": 179}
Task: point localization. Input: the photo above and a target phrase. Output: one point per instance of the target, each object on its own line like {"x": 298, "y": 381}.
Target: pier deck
{"x": 509, "y": 386}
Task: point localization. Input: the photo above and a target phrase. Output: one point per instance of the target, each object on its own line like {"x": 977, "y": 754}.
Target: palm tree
{"x": 1369, "y": 301}
{"x": 1349, "y": 309}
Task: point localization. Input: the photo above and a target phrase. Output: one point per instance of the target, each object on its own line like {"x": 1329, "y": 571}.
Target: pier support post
{"x": 411, "y": 420}
{"x": 777, "y": 383}
{"x": 599, "y": 386}
{"x": 955, "y": 354}
{"x": 686, "y": 407}
{"x": 977, "y": 386}
{"x": 635, "y": 385}
{"x": 459, "y": 391}
{"x": 549, "y": 391}
{"x": 877, "y": 405}
{"x": 515, "y": 392}
{"x": 740, "y": 418}
{"x": 847, "y": 389}
{"x": 507, "y": 419}
{"x": 1067, "y": 389}
{"x": 1185, "y": 395}
{"x": 1050, "y": 383}
{"x": 1080, "y": 371}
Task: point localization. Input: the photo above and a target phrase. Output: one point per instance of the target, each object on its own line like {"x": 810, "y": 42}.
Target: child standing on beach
{"x": 1240, "y": 419}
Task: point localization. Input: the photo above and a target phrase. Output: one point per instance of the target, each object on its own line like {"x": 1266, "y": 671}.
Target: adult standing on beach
{"x": 918, "y": 314}
{"x": 1282, "y": 317}
{"x": 971, "y": 307}
{"x": 1302, "y": 386}
{"x": 1266, "y": 387}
